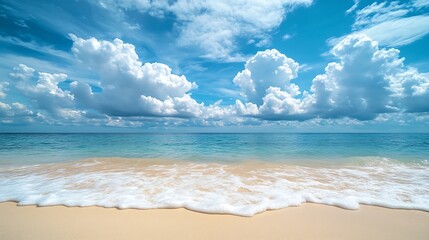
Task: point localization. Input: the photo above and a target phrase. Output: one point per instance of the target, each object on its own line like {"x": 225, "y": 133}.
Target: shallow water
{"x": 39, "y": 148}
{"x": 240, "y": 174}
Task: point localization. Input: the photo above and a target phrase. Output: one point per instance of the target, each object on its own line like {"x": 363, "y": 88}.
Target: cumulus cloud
{"x": 4, "y": 108}
{"x": 365, "y": 82}
{"x": 15, "y": 112}
{"x": 215, "y": 26}
{"x": 128, "y": 91}
{"x": 22, "y": 72}
{"x": 266, "y": 84}
{"x": 42, "y": 88}
{"x": 356, "y": 87}
{"x": 412, "y": 88}
{"x": 266, "y": 69}
{"x": 129, "y": 87}
{"x": 280, "y": 103}
{"x": 3, "y": 89}
{"x": 43, "y": 100}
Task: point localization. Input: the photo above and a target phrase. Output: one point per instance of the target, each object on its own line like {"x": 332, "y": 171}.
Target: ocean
{"x": 241, "y": 174}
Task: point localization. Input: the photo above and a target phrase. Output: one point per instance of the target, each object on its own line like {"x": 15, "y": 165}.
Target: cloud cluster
{"x": 215, "y": 26}
{"x": 42, "y": 89}
{"x": 357, "y": 86}
{"x": 265, "y": 83}
{"x": 127, "y": 92}
{"x": 365, "y": 82}
{"x": 16, "y": 113}
{"x": 266, "y": 69}
{"x": 128, "y": 87}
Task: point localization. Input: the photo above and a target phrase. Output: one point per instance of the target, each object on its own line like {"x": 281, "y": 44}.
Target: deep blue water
{"x": 38, "y": 148}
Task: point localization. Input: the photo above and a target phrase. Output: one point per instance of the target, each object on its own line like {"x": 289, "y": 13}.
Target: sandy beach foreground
{"x": 309, "y": 221}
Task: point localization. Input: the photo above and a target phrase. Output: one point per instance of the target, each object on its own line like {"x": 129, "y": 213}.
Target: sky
{"x": 214, "y": 66}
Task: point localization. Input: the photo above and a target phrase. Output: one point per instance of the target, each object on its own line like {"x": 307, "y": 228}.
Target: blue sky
{"x": 265, "y": 66}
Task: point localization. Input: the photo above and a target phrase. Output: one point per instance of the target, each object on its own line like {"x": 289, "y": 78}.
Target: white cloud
{"x": 265, "y": 83}
{"x": 391, "y": 23}
{"x": 421, "y": 3}
{"x": 266, "y": 69}
{"x": 286, "y": 36}
{"x": 412, "y": 88}
{"x": 36, "y": 47}
{"x": 15, "y": 112}
{"x": 130, "y": 88}
{"x": 247, "y": 109}
{"x": 353, "y": 7}
{"x": 263, "y": 42}
{"x": 42, "y": 89}
{"x": 280, "y": 103}
{"x": 3, "y": 89}
{"x": 4, "y": 108}
{"x": 22, "y": 72}
{"x": 356, "y": 87}
{"x": 399, "y": 32}
{"x": 379, "y": 12}
{"x": 218, "y": 112}
{"x": 178, "y": 106}
{"x": 367, "y": 81}
{"x": 215, "y": 26}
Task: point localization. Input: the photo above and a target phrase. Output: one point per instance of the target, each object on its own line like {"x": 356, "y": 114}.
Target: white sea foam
{"x": 240, "y": 189}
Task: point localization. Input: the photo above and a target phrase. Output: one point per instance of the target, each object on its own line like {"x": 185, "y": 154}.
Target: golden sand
{"x": 309, "y": 221}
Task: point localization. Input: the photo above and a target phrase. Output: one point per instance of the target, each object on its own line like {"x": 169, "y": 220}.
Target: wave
{"x": 243, "y": 189}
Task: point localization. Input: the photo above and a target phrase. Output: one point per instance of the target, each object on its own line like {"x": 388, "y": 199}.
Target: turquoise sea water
{"x": 39, "y": 148}
{"x": 209, "y": 172}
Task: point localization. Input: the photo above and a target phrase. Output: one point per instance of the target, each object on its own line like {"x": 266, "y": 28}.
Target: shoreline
{"x": 239, "y": 188}
{"x": 308, "y": 221}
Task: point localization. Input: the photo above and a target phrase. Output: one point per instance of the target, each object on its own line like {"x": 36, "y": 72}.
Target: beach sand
{"x": 309, "y": 221}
